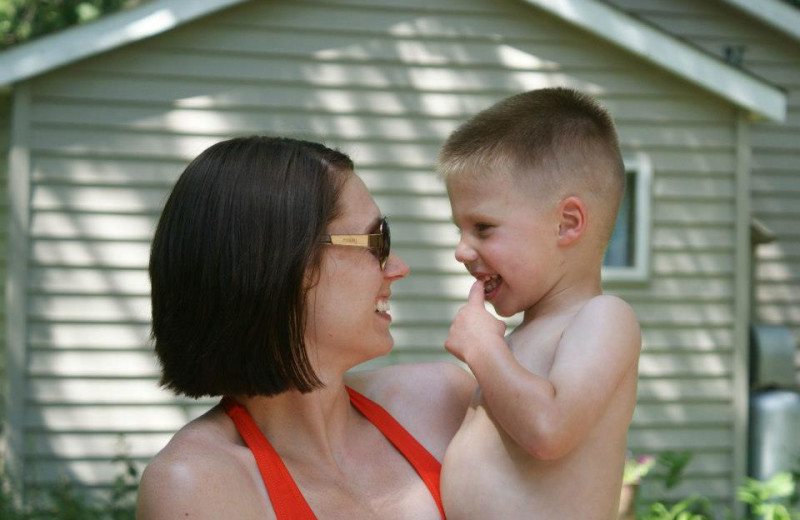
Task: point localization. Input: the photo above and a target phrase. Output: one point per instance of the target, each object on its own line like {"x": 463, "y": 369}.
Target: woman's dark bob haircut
{"x": 230, "y": 264}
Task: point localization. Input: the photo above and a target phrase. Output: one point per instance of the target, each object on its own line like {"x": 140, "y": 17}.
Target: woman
{"x": 271, "y": 274}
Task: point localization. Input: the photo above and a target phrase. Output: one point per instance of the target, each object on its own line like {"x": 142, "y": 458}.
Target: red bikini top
{"x": 286, "y": 498}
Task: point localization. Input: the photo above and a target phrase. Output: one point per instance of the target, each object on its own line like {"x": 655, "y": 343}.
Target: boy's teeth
{"x": 490, "y": 283}
{"x": 382, "y": 306}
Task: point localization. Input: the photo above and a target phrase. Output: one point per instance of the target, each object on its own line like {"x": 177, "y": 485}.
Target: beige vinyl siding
{"x": 775, "y": 146}
{"x": 385, "y": 81}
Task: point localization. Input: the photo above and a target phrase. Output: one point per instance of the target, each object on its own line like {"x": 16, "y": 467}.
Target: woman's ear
{"x": 573, "y": 217}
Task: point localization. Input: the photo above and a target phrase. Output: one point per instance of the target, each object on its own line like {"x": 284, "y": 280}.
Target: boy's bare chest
{"x": 535, "y": 345}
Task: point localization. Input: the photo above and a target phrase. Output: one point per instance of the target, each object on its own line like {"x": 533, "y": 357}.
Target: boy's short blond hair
{"x": 557, "y": 141}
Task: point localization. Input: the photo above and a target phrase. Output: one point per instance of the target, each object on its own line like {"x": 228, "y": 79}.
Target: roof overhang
{"x": 747, "y": 91}
{"x": 107, "y": 33}
{"x": 774, "y": 13}
{"x": 761, "y": 98}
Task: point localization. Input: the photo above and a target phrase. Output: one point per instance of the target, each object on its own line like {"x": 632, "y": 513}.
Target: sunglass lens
{"x": 387, "y": 242}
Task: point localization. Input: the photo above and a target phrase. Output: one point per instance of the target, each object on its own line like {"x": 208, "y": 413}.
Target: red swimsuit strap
{"x": 287, "y": 500}
{"x": 421, "y": 459}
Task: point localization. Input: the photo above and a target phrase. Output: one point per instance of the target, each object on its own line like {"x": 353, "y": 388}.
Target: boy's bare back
{"x": 577, "y": 472}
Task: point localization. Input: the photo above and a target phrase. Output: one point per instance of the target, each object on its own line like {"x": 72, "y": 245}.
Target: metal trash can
{"x": 774, "y": 440}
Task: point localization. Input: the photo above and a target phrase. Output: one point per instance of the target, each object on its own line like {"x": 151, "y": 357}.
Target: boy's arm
{"x": 548, "y": 417}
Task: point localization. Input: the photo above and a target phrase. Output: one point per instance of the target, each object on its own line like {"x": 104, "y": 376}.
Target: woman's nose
{"x": 395, "y": 267}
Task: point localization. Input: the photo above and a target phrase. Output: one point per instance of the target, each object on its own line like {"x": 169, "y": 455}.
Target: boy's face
{"x": 509, "y": 239}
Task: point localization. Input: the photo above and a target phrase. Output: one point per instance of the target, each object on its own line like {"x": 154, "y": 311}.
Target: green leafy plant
{"x": 637, "y": 468}
{"x": 773, "y": 499}
{"x": 122, "y": 501}
{"x": 674, "y": 463}
{"x": 692, "y": 508}
{"x": 22, "y": 20}
{"x": 9, "y": 510}
{"x": 66, "y": 502}
{"x": 686, "y": 509}
{"x": 770, "y": 499}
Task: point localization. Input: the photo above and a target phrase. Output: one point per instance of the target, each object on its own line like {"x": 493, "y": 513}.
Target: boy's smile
{"x": 491, "y": 284}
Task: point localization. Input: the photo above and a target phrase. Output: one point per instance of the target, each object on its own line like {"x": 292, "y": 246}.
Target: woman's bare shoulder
{"x": 428, "y": 399}
{"x": 439, "y": 380}
{"x": 201, "y": 473}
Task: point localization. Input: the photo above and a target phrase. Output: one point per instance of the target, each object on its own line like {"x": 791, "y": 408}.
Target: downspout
{"x": 742, "y": 293}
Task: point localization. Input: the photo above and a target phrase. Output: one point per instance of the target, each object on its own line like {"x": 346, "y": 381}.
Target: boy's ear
{"x": 572, "y": 220}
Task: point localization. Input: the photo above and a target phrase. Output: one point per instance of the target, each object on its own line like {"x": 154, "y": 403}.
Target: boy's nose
{"x": 465, "y": 253}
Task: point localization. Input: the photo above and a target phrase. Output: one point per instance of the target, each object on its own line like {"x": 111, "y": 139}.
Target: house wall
{"x": 721, "y": 30}
{"x": 386, "y": 81}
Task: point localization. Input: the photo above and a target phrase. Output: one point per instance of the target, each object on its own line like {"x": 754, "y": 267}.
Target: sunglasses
{"x": 379, "y": 243}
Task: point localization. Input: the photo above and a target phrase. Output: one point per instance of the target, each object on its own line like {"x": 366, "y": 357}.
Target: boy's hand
{"x": 474, "y": 327}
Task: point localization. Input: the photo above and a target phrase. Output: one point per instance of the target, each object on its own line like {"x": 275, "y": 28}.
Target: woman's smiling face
{"x": 347, "y": 316}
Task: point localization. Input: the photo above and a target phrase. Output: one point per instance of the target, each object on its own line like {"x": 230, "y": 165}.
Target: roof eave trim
{"x": 107, "y": 33}
{"x": 774, "y": 13}
{"x": 762, "y": 99}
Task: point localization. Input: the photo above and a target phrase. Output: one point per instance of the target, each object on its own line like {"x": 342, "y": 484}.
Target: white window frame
{"x": 640, "y": 165}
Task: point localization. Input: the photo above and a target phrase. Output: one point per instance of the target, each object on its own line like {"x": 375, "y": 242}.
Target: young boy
{"x": 535, "y": 183}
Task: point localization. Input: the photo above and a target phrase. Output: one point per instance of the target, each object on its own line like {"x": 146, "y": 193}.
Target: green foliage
{"x": 773, "y": 499}
{"x": 692, "y": 508}
{"x": 637, "y": 468}
{"x": 8, "y": 510}
{"x": 675, "y": 463}
{"x": 22, "y": 20}
{"x": 66, "y": 502}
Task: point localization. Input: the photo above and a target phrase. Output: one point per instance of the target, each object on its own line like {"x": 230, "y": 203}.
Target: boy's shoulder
{"x": 606, "y": 318}
{"x": 605, "y": 306}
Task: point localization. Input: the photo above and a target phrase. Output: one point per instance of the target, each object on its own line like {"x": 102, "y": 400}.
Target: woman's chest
{"x": 385, "y": 488}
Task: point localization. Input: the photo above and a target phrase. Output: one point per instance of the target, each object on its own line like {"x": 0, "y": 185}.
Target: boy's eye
{"x": 482, "y": 228}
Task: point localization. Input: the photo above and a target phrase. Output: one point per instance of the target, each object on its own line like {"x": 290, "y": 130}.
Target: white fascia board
{"x": 774, "y": 13}
{"x": 107, "y": 33}
{"x": 757, "y": 96}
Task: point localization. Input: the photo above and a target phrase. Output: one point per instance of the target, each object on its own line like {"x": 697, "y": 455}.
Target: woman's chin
{"x": 383, "y": 348}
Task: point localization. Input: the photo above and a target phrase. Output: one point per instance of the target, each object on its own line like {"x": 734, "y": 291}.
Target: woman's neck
{"x": 304, "y": 426}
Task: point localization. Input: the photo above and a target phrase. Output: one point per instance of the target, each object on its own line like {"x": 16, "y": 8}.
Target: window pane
{"x": 620, "y": 252}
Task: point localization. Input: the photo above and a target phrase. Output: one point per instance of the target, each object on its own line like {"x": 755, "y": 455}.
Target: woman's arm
{"x": 428, "y": 399}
